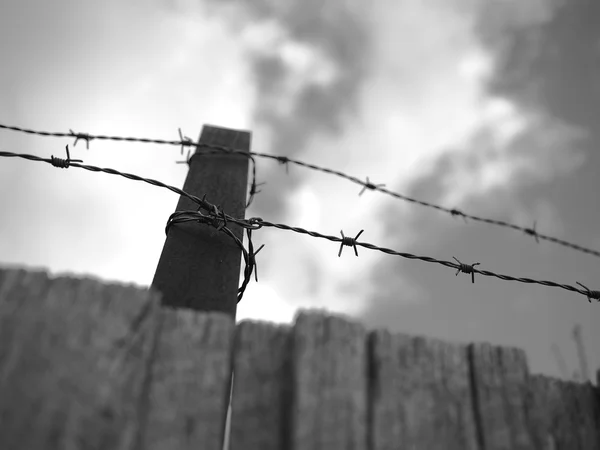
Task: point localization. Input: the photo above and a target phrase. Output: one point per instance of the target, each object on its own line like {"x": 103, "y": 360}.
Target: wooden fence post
{"x": 199, "y": 267}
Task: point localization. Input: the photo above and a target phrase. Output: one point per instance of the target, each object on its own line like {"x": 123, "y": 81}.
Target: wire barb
{"x": 83, "y": 136}
{"x": 184, "y": 141}
{"x": 369, "y": 185}
{"x": 590, "y": 294}
{"x": 455, "y": 212}
{"x": 254, "y": 186}
{"x": 284, "y": 160}
{"x": 466, "y": 268}
{"x": 63, "y": 163}
{"x": 252, "y": 254}
{"x": 219, "y": 218}
{"x": 533, "y": 232}
{"x": 187, "y": 158}
{"x": 350, "y": 242}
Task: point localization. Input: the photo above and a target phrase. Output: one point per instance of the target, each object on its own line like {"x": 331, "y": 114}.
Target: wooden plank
{"x": 500, "y": 378}
{"x": 13, "y": 279}
{"x": 420, "y": 395}
{"x": 190, "y": 382}
{"x": 72, "y": 362}
{"x": 199, "y": 267}
{"x": 565, "y": 414}
{"x": 262, "y": 384}
{"x": 91, "y": 365}
{"x": 330, "y": 383}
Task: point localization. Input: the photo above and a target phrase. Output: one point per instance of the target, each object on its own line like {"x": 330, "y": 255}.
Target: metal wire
{"x": 214, "y": 215}
{"x": 186, "y": 141}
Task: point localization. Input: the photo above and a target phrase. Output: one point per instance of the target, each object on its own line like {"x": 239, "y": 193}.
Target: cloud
{"x": 527, "y": 134}
{"x": 308, "y": 62}
{"x": 417, "y": 98}
{"x": 546, "y": 60}
{"x": 513, "y": 151}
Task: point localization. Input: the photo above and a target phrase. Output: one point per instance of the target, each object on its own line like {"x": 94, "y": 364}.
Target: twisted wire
{"x": 588, "y": 293}
{"x": 220, "y": 223}
{"x": 452, "y": 211}
{"x": 186, "y": 141}
{"x": 255, "y": 223}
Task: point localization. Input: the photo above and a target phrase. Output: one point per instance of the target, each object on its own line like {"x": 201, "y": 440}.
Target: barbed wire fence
{"x": 213, "y": 216}
{"x": 185, "y": 141}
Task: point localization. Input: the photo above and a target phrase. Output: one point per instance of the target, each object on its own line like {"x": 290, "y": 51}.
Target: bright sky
{"x": 399, "y": 92}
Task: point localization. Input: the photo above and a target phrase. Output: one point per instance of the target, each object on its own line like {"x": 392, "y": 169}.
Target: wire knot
{"x": 63, "y": 163}
{"x": 349, "y": 241}
{"x": 455, "y": 212}
{"x": 466, "y": 268}
{"x": 532, "y": 232}
{"x": 255, "y": 222}
{"x": 184, "y": 141}
{"x": 219, "y": 219}
{"x": 590, "y": 294}
{"x": 83, "y": 136}
{"x": 283, "y": 160}
{"x": 369, "y": 185}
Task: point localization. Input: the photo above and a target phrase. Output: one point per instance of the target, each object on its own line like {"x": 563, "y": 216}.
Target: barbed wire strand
{"x": 284, "y": 160}
{"x": 454, "y": 212}
{"x": 255, "y": 223}
{"x": 253, "y": 184}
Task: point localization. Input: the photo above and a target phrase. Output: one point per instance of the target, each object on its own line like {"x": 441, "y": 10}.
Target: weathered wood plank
{"x": 262, "y": 384}
{"x": 500, "y": 377}
{"x": 330, "y": 383}
{"x": 72, "y": 364}
{"x": 420, "y": 395}
{"x": 564, "y": 413}
{"x": 190, "y": 381}
{"x": 100, "y": 366}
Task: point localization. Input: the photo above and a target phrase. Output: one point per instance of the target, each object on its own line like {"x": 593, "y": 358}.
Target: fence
{"x": 184, "y": 272}
{"x": 89, "y": 365}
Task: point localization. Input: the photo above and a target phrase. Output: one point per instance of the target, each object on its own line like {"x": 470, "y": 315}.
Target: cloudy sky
{"x": 489, "y": 107}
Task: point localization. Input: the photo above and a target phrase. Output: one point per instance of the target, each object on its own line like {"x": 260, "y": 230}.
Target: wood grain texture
{"x": 262, "y": 386}
{"x": 500, "y": 377}
{"x": 87, "y": 365}
{"x": 72, "y": 362}
{"x": 565, "y": 414}
{"x": 420, "y": 394}
{"x": 330, "y": 383}
{"x": 91, "y": 365}
{"x": 190, "y": 381}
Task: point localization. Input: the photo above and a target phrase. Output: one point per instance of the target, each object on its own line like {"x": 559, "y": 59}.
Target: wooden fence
{"x": 90, "y": 365}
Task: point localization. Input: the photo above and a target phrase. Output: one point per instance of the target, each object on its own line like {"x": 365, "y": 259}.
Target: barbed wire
{"x": 185, "y": 141}
{"x": 218, "y": 218}
{"x": 454, "y": 212}
{"x": 249, "y": 255}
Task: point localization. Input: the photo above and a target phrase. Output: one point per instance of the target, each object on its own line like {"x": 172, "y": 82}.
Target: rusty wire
{"x": 186, "y": 141}
{"x": 255, "y": 223}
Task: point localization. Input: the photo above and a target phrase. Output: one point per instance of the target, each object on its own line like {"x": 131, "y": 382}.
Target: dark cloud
{"x": 553, "y": 66}
{"x": 338, "y": 29}
{"x": 547, "y": 65}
